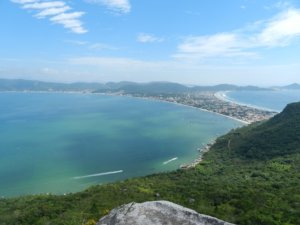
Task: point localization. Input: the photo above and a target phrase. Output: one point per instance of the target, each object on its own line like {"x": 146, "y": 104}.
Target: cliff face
{"x": 157, "y": 213}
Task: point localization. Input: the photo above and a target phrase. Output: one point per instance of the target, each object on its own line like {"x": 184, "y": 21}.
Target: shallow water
{"x": 59, "y": 142}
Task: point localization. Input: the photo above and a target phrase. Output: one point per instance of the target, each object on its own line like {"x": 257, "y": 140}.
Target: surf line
{"x": 99, "y": 174}
{"x": 173, "y": 159}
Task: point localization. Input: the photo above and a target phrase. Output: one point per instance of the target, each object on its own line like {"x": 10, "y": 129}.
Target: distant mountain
{"x": 276, "y": 137}
{"x": 154, "y": 88}
{"x": 292, "y": 86}
{"x": 124, "y": 86}
{"x": 170, "y": 88}
{"x": 32, "y": 85}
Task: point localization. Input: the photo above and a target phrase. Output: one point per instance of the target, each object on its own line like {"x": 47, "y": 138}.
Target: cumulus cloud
{"x": 226, "y": 44}
{"x": 278, "y": 31}
{"x": 119, "y": 6}
{"x": 148, "y": 38}
{"x": 57, "y": 12}
{"x": 281, "y": 30}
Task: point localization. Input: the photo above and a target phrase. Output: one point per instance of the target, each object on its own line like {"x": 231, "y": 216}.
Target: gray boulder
{"x": 157, "y": 213}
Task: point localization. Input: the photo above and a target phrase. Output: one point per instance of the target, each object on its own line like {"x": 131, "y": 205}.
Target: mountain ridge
{"x": 125, "y": 86}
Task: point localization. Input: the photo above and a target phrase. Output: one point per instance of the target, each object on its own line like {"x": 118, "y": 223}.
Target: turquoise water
{"x": 52, "y": 142}
{"x": 272, "y": 100}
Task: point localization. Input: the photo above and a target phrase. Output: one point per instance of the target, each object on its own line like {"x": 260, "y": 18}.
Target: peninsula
{"x": 209, "y": 101}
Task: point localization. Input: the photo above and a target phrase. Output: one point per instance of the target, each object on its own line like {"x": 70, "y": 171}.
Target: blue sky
{"x": 192, "y": 41}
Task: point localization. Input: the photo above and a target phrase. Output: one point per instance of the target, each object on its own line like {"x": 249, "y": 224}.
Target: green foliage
{"x": 233, "y": 183}
{"x": 277, "y": 137}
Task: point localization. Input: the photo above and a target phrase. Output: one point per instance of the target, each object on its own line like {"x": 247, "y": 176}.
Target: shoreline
{"x": 199, "y": 159}
{"x": 129, "y": 95}
{"x": 176, "y": 103}
{"x": 221, "y": 95}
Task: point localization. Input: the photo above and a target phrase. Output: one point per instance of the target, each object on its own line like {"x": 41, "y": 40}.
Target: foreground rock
{"x": 157, "y": 213}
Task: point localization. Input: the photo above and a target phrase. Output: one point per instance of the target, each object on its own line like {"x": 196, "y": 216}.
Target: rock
{"x": 157, "y": 213}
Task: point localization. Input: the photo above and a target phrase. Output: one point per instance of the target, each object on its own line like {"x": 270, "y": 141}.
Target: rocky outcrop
{"x": 157, "y": 213}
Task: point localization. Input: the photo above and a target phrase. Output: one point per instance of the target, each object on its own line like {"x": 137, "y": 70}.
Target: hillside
{"x": 277, "y": 137}
{"x": 251, "y": 176}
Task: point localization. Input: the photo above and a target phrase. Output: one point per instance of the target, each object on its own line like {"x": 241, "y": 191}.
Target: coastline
{"x": 199, "y": 159}
{"x": 145, "y": 98}
{"x": 176, "y": 103}
{"x": 222, "y": 96}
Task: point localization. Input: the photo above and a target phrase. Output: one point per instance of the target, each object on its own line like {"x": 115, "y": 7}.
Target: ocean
{"x": 271, "y": 100}
{"x": 60, "y": 143}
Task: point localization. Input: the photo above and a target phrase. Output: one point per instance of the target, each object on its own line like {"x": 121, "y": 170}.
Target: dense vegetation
{"x": 250, "y": 176}
{"x": 276, "y": 137}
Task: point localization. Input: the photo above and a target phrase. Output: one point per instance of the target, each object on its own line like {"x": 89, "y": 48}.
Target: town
{"x": 211, "y": 102}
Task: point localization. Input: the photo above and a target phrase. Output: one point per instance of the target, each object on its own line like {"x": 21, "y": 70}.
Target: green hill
{"x": 277, "y": 137}
{"x": 251, "y": 176}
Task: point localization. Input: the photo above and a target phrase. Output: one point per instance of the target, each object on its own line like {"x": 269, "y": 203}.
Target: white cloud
{"x": 120, "y": 6}
{"x": 44, "y": 5}
{"x": 70, "y": 21}
{"x": 226, "y": 44}
{"x": 279, "y": 31}
{"x": 57, "y": 12}
{"x": 67, "y": 16}
{"x": 148, "y": 38}
{"x": 52, "y": 11}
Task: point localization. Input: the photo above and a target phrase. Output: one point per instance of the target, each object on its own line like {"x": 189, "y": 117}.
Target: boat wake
{"x": 171, "y": 160}
{"x": 99, "y": 174}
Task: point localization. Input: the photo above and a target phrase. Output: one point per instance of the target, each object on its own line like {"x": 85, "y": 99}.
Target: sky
{"x": 200, "y": 42}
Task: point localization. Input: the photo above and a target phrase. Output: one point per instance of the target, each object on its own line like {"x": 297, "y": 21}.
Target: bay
{"x": 274, "y": 100}
{"x": 60, "y": 142}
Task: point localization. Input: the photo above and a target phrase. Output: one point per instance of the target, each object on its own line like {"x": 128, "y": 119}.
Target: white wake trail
{"x": 173, "y": 159}
{"x": 99, "y": 174}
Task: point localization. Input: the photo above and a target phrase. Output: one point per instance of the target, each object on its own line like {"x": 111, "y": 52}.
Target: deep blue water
{"x": 272, "y": 100}
{"x": 53, "y": 142}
